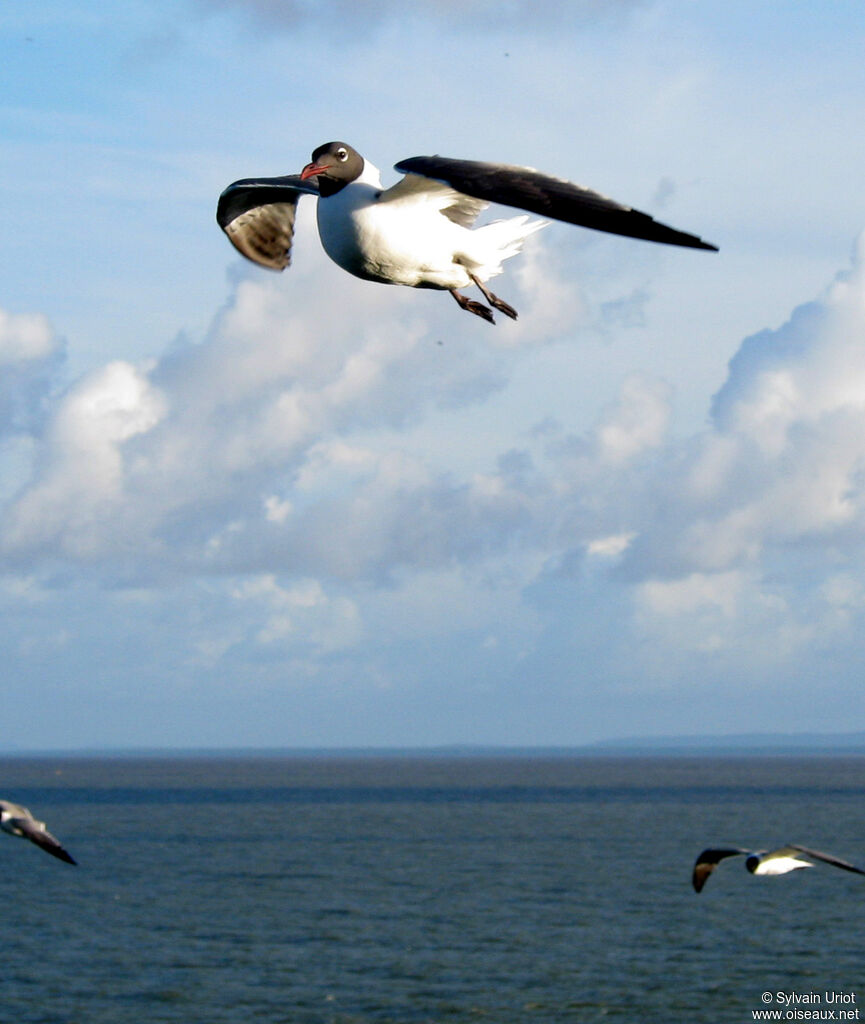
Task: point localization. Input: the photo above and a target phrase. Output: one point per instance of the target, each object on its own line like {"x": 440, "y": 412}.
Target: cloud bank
{"x": 273, "y": 462}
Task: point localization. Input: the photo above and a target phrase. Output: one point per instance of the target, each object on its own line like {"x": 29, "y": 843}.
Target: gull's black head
{"x": 335, "y": 165}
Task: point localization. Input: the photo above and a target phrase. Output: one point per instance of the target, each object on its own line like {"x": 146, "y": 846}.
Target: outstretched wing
{"x": 708, "y": 860}
{"x": 36, "y": 832}
{"x": 459, "y": 207}
{"x": 828, "y": 859}
{"x": 258, "y": 215}
{"x": 528, "y": 189}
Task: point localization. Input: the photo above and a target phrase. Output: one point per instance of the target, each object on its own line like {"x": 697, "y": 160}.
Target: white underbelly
{"x": 781, "y": 865}
{"x": 381, "y": 243}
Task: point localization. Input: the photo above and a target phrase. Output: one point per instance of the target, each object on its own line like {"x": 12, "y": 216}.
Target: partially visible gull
{"x": 18, "y": 821}
{"x": 765, "y": 862}
{"x": 419, "y": 231}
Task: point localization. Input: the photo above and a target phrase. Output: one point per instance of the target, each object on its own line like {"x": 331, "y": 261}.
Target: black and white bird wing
{"x": 18, "y": 821}
{"x": 35, "y": 831}
{"x": 457, "y": 206}
{"x": 827, "y": 858}
{"x": 708, "y": 860}
{"x": 258, "y": 215}
{"x": 528, "y": 189}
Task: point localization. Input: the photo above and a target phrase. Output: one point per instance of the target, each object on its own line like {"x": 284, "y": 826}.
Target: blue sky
{"x": 243, "y": 509}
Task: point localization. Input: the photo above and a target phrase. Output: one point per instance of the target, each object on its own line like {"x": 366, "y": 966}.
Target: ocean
{"x": 428, "y": 889}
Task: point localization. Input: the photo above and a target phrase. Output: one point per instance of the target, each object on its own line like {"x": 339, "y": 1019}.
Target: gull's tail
{"x": 494, "y": 243}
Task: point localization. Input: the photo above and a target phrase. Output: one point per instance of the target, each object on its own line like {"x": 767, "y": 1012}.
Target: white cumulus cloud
{"x": 31, "y": 354}
{"x": 274, "y": 457}
{"x": 78, "y": 494}
{"x": 25, "y": 337}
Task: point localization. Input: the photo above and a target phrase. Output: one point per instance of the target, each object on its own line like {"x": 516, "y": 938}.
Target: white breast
{"x": 780, "y": 865}
{"x": 407, "y": 242}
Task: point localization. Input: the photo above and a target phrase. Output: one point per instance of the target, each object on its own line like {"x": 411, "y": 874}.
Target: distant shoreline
{"x": 738, "y": 745}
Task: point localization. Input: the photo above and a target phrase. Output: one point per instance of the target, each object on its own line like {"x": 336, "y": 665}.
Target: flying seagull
{"x": 419, "y": 231}
{"x": 765, "y": 862}
{"x": 18, "y": 821}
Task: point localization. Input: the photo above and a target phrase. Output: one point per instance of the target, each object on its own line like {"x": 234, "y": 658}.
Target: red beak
{"x": 311, "y": 170}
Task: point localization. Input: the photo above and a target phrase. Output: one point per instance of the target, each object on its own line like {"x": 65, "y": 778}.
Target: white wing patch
{"x": 456, "y": 206}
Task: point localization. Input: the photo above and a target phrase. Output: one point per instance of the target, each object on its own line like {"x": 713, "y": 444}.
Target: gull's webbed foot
{"x": 478, "y": 308}
{"x": 494, "y": 300}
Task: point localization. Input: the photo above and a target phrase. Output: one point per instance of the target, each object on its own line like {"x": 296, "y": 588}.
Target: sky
{"x": 247, "y": 509}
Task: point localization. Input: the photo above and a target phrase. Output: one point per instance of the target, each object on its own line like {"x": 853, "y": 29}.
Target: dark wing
{"x": 828, "y": 859}
{"x": 530, "y": 190}
{"x": 708, "y": 860}
{"x": 36, "y": 833}
{"x": 258, "y": 214}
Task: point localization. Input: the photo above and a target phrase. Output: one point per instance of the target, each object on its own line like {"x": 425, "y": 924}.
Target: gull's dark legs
{"x": 478, "y": 308}
{"x": 494, "y": 300}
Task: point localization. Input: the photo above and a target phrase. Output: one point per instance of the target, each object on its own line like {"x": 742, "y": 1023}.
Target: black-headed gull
{"x": 765, "y": 862}
{"x": 419, "y": 231}
{"x": 18, "y": 821}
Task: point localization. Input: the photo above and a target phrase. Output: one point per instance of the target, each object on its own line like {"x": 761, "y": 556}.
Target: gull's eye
{"x": 342, "y": 154}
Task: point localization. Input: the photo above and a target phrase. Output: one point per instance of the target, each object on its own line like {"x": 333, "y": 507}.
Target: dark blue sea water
{"x": 325, "y": 890}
